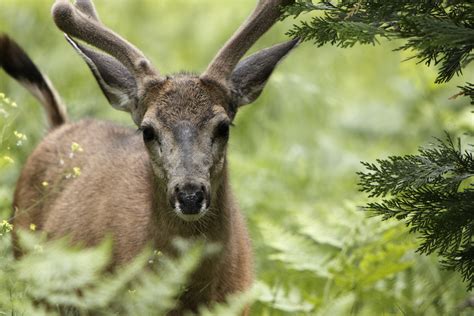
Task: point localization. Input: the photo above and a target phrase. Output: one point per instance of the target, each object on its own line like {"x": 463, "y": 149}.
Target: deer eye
{"x": 148, "y": 134}
{"x": 222, "y": 131}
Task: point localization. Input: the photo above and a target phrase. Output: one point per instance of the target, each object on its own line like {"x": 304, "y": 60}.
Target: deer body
{"x": 170, "y": 179}
{"x": 133, "y": 221}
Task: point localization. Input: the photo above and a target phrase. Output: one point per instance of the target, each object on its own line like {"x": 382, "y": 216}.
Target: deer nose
{"x": 190, "y": 197}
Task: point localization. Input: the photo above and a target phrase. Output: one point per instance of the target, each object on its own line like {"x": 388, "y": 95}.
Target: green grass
{"x": 294, "y": 153}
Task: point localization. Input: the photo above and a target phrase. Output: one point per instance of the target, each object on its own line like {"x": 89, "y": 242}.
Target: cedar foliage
{"x": 439, "y": 32}
{"x": 428, "y": 191}
{"x": 424, "y": 190}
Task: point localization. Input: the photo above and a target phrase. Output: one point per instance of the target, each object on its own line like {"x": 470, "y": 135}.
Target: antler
{"x": 87, "y": 7}
{"x": 81, "y": 22}
{"x": 262, "y": 18}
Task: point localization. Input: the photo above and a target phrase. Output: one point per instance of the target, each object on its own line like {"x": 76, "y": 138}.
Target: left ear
{"x": 114, "y": 79}
{"x": 251, "y": 74}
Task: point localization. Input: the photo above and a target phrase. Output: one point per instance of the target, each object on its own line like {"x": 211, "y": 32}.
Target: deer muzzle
{"x": 190, "y": 200}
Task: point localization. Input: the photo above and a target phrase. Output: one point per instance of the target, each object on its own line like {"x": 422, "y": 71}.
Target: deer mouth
{"x": 190, "y": 214}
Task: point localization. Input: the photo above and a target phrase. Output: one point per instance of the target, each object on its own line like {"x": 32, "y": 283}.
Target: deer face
{"x": 185, "y": 129}
{"x": 184, "y": 119}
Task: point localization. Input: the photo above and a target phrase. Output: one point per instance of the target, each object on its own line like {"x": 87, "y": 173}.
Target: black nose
{"x": 190, "y": 198}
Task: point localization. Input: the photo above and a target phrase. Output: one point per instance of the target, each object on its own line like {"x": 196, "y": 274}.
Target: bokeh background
{"x": 293, "y": 154}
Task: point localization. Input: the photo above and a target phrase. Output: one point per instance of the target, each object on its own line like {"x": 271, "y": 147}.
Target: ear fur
{"x": 115, "y": 81}
{"x": 251, "y": 74}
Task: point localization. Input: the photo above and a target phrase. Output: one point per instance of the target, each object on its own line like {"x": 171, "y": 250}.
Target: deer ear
{"x": 115, "y": 81}
{"x": 251, "y": 74}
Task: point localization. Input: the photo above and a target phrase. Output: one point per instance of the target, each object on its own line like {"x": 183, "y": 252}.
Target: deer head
{"x": 184, "y": 118}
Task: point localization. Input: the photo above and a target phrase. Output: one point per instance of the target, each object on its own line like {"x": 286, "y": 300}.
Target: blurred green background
{"x": 293, "y": 153}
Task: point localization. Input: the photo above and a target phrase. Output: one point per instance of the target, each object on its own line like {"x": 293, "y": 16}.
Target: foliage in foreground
{"x": 338, "y": 267}
{"x": 431, "y": 192}
{"x": 54, "y": 279}
{"x": 355, "y": 266}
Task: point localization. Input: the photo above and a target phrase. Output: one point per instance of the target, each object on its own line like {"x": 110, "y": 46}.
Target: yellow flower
{"x": 5, "y": 227}
{"x": 76, "y": 171}
{"x": 19, "y": 135}
{"x": 8, "y": 159}
{"x": 45, "y": 183}
{"x": 32, "y": 227}
{"x": 75, "y": 147}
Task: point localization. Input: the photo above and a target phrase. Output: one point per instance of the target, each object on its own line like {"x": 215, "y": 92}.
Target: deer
{"x": 165, "y": 180}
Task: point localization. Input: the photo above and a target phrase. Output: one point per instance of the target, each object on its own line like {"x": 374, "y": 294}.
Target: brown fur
{"x": 118, "y": 194}
{"x": 83, "y": 208}
{"x": 132, "y": 188}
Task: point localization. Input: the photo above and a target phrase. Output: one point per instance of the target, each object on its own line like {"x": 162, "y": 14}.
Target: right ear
{"x": 251, "y": 74}
{"x": 116, "y": 82}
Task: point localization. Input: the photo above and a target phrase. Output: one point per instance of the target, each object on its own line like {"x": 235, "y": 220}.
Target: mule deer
{"x": 171, "y": 180}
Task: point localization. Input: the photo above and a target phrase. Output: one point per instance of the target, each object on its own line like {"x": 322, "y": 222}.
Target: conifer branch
{"x": 439, "y": 32}
{"x": 429, "y": 193}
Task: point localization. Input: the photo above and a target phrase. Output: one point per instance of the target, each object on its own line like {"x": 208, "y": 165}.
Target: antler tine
{"x": 262, "y": 18}
{"x": 76, "y": 23}
{"x": 87, "y": 7}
